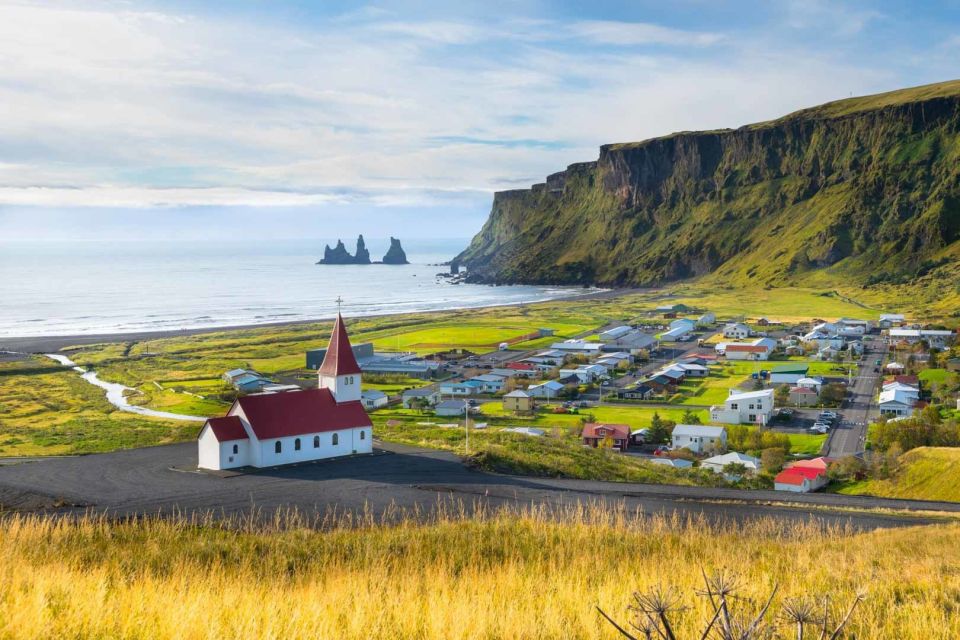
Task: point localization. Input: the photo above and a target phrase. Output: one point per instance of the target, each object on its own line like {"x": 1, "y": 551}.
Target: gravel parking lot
{"x": 145, "y": 481}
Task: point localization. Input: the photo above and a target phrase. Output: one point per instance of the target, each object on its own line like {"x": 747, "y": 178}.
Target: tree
{"x": 660, "y": 432}
{"x": 772, "y": 459}
{"x": 832, "y": 394}
{"x": 689, "y": 417}
{"x": 735, "y": 469}
{"x": 782, "y": 395}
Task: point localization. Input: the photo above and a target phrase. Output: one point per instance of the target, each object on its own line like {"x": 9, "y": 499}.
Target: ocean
{"x": 56, "y": 288}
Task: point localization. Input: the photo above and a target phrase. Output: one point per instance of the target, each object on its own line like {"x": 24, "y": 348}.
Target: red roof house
{"x": 800, "y": 479}
{"x": 595, "y": 434}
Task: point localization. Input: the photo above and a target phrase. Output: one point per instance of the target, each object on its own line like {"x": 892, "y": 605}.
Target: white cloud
{"x": 108, "y": 106}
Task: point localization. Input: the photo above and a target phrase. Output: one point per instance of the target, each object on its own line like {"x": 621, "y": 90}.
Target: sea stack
{"x": 363, "y": 254}
{"x": 395, "y": 254}
{"x": 337, "y": 255}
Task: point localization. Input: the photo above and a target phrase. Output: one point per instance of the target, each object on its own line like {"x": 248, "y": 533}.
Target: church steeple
{"x": 340, "y": 372}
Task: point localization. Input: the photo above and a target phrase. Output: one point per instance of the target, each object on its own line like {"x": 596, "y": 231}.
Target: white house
{"x": 706, "y": 319}
{"x": 586, "y": 373}
{"x": 679, "y": 329}
{"x": 270, "y": 429}
{"x": 699, "y": 438}
{"x": 752, "y": 407}
{"x": 717, "y": 463}
{"x": 428, "y": 394}
{"x": 466, "y": 388}
{"x": 373, "y": 399}
{"x": 451, "y": 408}
{"x": 548, "y": 389}
{"x": 888, "y": 320}
{"x": 898, "y": 399}
{"x": 490, "y": 383}
{"x": 684, "y": 323}
{"x": 811, "y": 383}
{"x": 759, "y": 349}
{"x": 736, "y": 330}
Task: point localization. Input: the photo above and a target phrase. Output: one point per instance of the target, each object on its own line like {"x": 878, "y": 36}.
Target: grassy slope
{"x": 926, "y": 473}
{"x": 537, "y": 575}
{"x": 46, "y": 410}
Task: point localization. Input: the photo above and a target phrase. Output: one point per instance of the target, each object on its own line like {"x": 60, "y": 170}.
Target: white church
{"x": 270, "y": 429}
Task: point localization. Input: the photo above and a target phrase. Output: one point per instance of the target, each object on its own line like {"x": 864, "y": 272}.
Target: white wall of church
{"x": 346, "y": 442}
{"x": 221, "y": 455}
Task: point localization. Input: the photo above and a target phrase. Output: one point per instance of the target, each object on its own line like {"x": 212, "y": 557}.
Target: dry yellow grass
{"x": 537, "y": 575}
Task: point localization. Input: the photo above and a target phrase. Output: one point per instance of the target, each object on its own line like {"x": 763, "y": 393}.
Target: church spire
{"x": 339, "y": 359}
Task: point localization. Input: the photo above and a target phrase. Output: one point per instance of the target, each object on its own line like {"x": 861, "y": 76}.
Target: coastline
{"x": 53, "y": 344}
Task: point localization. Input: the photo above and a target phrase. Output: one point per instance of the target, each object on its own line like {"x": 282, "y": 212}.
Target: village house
{"x": 803, "y": 397}
{"x": 759, "y": 349}
{"x": 465, "y": 388}
{"x": 750, "y": 407}
{"x": 586, "y": 373}
{"x": 707, "y": 319}
{"x": 678, "y": 330}
{"x": 717, "y": 463}
{"x": 548, "y": 389}
{"x": 639, "y": 391}
{"x": 449, "y": 408}
{"x": 737, "y": 331}
{"x": 373, "y": 399}
{"x": 699, "y": 438}
{"x": 596, "y": 435}
{"x": 425, "y": 394}
{"x": 888, "y": 320}
{"x": 270, "y": 429}
{"x": 800, "y": 479}
{"x": 518, "y": 401}
{"x": 898, "y": 399}
{"x": 490, "y": 382}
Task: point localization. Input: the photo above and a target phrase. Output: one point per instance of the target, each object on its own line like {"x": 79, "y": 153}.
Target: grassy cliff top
{"x": 836, "y": 109}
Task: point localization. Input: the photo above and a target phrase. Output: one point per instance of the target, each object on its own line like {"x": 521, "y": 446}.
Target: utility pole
{"x": 466, "y": 423}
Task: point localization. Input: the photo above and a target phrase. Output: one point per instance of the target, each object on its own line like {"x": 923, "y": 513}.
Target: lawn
{"x": 637, "y": 417}
{"x": 934, "y": 376}
{"x": 925, "y": 473}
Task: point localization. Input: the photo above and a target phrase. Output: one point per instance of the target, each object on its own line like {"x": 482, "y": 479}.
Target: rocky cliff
{"x": 867, "y": 189}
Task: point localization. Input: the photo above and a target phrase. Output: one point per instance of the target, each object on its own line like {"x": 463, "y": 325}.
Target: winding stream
{"x": 115, "y": 392}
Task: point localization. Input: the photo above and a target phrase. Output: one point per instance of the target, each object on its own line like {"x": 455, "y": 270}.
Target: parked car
{"x": 662, "y": 450}
{"x": 828, "y": 414}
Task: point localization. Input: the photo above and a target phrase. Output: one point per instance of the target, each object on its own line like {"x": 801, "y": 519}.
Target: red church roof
{"x": 227, "y": 428}
{"x": 277, "y": 415}
{"x": 339, "y": 359}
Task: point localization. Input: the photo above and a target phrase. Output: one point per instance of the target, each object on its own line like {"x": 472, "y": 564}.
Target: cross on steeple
{"x": 339, "y": 302}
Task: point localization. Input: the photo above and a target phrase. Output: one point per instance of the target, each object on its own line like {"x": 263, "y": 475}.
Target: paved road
{"x": 143, "y": 481}
{"x": 860, "y": 407}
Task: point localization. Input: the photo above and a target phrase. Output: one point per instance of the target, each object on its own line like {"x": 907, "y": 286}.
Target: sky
{"x": 271, "y": 119}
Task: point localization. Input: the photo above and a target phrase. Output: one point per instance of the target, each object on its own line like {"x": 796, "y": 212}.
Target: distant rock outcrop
{"x": 395, "y": 254}
{"x": 363, "y": 255}
{"x": 340, "y": 255}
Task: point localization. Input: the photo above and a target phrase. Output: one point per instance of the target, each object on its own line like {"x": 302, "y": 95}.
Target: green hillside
{"x": 862, "y": 192}
{"x": 925, "y": 473}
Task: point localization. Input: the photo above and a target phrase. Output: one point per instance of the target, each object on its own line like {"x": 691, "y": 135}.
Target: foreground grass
{"x": 925, "y": 473}
{"x": 535, "y": 574}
